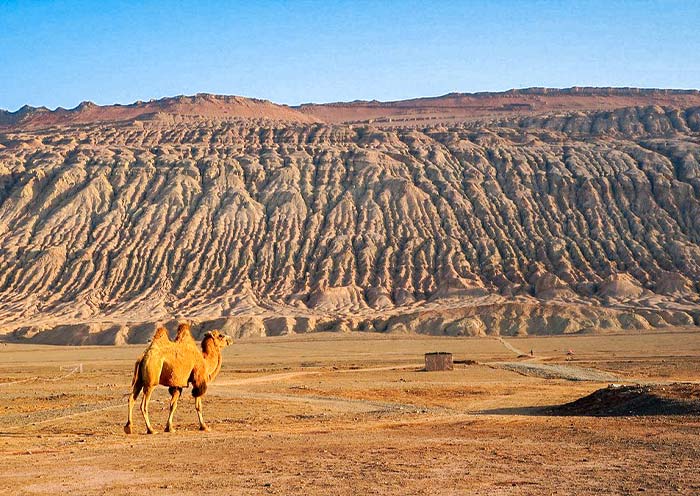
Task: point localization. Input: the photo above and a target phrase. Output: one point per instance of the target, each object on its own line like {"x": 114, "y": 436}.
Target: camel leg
{"x": 147, "y": 391}
{"x": 175, "y": 393}
{"x": 198, "y": 407}
{"x": 135, "y": 391}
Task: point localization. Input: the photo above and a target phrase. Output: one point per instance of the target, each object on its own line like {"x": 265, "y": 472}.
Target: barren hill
{"x": 545, "y": 222}
{"x": 523, "y": 102}
{"x": 201, "y": 105}
{"x": 453, "y": 107}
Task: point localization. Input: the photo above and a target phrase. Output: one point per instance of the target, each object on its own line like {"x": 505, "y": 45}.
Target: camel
{"x": 176, "y": 364}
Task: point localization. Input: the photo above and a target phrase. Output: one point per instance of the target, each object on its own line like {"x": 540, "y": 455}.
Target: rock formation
{"x": 575, "y": 221}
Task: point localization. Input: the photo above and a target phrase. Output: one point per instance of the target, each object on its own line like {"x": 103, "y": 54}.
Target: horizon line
{"x": 356, "y": 101}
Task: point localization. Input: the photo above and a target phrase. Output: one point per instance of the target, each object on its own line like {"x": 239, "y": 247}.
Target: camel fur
{"x": 176, "y": 364}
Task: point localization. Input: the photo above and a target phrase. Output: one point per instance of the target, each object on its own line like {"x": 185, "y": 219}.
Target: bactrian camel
{"x": 176, "y": 364}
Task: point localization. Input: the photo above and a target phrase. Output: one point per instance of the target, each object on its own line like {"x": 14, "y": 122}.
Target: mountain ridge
{"x": 201, "y": 105}
{"x": 450, "y": 107}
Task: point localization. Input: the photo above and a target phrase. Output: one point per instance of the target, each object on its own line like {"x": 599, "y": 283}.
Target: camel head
{"x": 220, "y": 339}
{"x": 212, "y": 344}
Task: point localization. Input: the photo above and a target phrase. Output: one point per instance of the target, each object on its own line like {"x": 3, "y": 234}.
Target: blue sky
{"x": 60, "y": 53}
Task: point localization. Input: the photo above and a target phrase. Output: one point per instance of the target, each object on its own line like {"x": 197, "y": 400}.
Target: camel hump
{"x": 184, "y": 333}
{"x": 161, "y": 335}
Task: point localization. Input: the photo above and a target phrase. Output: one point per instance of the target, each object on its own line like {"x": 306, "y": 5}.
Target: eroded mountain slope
{"x": 580, "y": 221}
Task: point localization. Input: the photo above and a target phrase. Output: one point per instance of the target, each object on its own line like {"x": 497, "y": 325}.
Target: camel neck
{"x": 212, "y": 358}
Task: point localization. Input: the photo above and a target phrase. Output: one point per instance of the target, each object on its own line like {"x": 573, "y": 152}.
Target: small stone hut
{"x": 438, "y": 360}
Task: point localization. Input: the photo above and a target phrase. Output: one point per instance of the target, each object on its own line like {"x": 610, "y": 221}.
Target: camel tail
{"x": 137, "y": 372}
{"x": 137, "y": 381}
{"x": 136, "y": 386}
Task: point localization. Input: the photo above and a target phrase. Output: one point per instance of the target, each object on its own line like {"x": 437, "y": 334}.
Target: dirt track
{"x": 350, "y": 422}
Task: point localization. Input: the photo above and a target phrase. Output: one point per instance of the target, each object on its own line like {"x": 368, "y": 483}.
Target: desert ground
{"x": 354, "y": 414}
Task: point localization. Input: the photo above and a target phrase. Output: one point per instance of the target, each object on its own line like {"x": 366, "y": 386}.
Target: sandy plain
{"x": 354, "y": 414}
